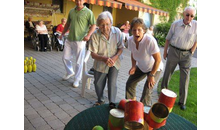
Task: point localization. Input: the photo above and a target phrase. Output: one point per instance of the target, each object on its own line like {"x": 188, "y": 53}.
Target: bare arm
{"x": 98, "y": 57}
{"x": 133, "y": 67}
{"x": 116, "y": 56}
{"x": 109, "y": 61}
{"x": 91, "y": 30}
{"x": 194, "y": 48}
{"x": 122, "y": 27}
{"x": 165, "y": 49}
{"x": 66, "y": 28}
{"x": 150, "y": 78}
{"x": 157, "y": 59}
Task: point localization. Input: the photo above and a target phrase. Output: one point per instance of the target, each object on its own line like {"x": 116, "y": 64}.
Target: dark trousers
{"x": 132, "y": 84}
{"x": 31, "y": 33}
{"x": 43, "y": 40}
{"x": 100, "y": 82}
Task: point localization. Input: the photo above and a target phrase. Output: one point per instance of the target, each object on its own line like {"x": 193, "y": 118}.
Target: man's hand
{"x": 165, "y": 55}
{"x": 86, "y": 38}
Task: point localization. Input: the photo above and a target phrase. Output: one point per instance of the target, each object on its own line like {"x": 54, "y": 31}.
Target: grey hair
{"x": 104, "y": 15}
{"x": 63, "y": 19}
{"x": 190, "y": 8}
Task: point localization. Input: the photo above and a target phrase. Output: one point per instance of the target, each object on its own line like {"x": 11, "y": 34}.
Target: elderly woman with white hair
{"x": 106, "y": 46}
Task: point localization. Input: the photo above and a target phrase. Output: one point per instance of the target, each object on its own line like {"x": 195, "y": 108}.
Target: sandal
{"x": 98, "y": 104}
{"x": 112, "y": 105}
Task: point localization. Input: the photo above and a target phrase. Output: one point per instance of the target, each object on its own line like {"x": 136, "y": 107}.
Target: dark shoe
{"x": 112, "y": 105}
{"x": 182, "y": 107}
{"x": 91, "y": 71}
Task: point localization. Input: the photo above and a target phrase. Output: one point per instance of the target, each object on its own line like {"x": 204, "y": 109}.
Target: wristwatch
{"x": 152, "y": 75}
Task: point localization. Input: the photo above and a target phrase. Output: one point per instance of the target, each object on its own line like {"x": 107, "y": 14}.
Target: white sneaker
{"x": 76, "y": 84}
{"x": 66, "y": 76}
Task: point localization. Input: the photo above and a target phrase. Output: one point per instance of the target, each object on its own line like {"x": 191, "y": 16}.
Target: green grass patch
{"x": 191, "y": 104}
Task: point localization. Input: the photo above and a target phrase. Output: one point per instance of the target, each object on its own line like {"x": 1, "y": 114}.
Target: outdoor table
{"x": 99, "y": 115}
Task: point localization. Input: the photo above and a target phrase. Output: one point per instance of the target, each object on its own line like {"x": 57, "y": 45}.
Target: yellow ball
{"x": 98, "y": 127}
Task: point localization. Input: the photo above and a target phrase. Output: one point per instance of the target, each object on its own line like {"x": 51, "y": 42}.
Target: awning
{"x": 138, "y": 6}
{"x": 108, "y": 3}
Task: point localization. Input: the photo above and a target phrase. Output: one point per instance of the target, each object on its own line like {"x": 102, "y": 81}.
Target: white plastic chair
{"x": 85, "y": 75}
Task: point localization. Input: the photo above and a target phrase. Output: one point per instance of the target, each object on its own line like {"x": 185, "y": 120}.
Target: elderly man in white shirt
{"x": 106, "y": 47}
{"x": 182, "y": 38}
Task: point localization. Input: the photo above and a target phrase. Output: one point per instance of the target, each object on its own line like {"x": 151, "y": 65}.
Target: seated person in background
{"x": 30, "y": 26}
{"x": 60, "y": 27}
{"x": 42, "y": 34}
{"x": 59, "y": 31}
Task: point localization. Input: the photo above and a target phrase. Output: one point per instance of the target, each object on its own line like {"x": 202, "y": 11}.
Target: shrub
{"x": 161, "y": 31}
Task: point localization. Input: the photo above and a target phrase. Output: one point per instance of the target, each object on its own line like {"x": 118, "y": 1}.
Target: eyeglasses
{"x": 189, "y": 15}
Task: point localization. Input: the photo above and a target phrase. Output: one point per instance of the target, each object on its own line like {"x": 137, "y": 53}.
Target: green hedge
{"x": 161, "y": 31}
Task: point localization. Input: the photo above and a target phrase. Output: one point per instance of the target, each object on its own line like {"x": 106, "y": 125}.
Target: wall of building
{"x": 124, "y": 15}
{"x": 56, "y": 17}
{"x": 155, "y": 19}
{"x": 96, "y": 10}
{"x": 119, "y": 15}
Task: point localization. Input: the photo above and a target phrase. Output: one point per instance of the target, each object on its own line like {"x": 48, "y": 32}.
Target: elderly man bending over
{"x": 106, "y": 46}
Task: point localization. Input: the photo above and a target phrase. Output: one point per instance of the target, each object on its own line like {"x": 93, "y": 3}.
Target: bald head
{"x": 190, "y": 8}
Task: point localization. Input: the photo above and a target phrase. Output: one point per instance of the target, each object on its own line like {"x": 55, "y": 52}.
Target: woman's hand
{"x": 110, "y": 62}
{"x": 151, "y": 82}
{"x": 132, "y": 70}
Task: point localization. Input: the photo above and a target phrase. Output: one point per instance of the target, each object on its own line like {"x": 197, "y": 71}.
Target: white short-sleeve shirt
{"x": 144, "y": 55}
{"x": 39, "y": 28}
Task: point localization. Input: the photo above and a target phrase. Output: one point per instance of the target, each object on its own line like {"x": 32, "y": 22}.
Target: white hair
{"x": 104, "y": 15}
{"x": 190, "y": 8}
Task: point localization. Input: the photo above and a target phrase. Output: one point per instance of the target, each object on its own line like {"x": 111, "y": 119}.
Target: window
{"x": 105, "y": 8}
{"x": 60, "y": 3}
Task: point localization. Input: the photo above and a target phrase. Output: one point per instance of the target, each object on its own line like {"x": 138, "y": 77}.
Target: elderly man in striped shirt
{"x": 182, "y": 42}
